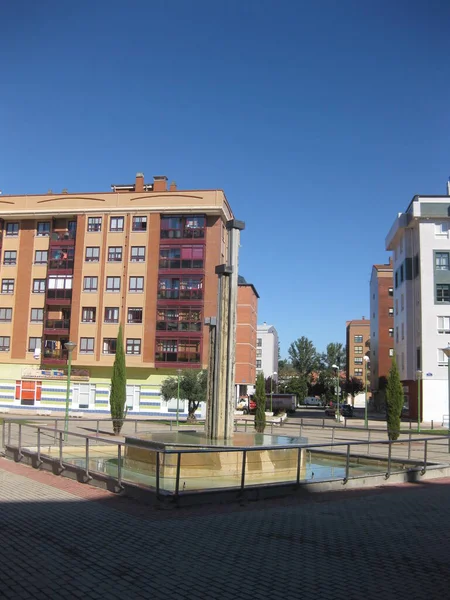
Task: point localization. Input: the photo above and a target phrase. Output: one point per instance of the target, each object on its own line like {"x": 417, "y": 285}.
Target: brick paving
{"x": 68, "y": 540}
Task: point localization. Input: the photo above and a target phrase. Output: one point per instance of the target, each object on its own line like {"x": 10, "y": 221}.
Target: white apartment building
{"x": 419, "y": 240}
{"x": 267, "y": 350}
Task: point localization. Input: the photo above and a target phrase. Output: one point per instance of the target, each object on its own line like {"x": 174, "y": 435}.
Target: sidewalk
{"x": 68, "y": 540}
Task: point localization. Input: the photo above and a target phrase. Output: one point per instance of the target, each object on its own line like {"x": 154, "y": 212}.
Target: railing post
{"x": 98, "y": 427}
{"x": 20, "y": 442}
{"x": 244, "y": 460}
{"x": 245, "y": 425}
{"x": 409, "y": 446}
{"x": 410, "y": 423}
{"x": 368, "y": 441}
{"x": 119, "y": 465}
{"x": 9, "y": 433}
{"x": 61, "y": 450}
{"x": 323, "y": 423}
{"x": 157, "y": 475}
{"x": 345, "y": 421}
{"x": 299, "y": 460}
{"x": 347, "y": 464}
{"x": 170, "y": 425}
{"x": 332, "y": 435}
{"x": 388, "y": 474}
{"x": 425, "y": 455}
{"x": 135, "y": 426}
{"x": 432, "y": 424}
{"x": 3, "y": 435}
{"x": 56, "y": 427}
{"x": 39, "y": 461}
{"x": 177, "y": 478}
{"x": 271, "y": 428}
{"x": 87, "y": 459}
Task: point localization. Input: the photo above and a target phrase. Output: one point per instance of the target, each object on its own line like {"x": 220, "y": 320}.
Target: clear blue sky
{"x": 320, "y": 120}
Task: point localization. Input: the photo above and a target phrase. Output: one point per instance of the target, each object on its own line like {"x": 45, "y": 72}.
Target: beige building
{"x": 358, "y": 346}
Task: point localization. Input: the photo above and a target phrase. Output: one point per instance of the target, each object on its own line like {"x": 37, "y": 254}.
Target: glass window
{"x": 116, "y": 223}
{"x": 402, "y": 302}
{"x": 37, "y": 315}
{"x": 136, "y": 284}
{"x": 88, "y": 314}
{"x": 7, "y": 286}
{"x": 358, "y": 349}
{"x": 258, "y": 364}
{"x": 92, "y": 254}
{"x": 4, "y": 343}
{"x": 43, "y": 228}
{"x": 358, "y": 339}
{"x": 358, "y": 372}
{"x": 5, "y": 315}
{"x": 391, "y": 332}
{"x": 441, "y": 229}
{"x": 396, "y": 334}
{"x": 403, "y": 331}
{"x": 109, "y": 345}
{"x": 442, "y": 358}
{"x": 111, "y": 314}
{"x": 12, "y": 229}
{"x": 90, "y": 284}
{"x": 178, "y": 319}
{"x": 137, "y": 253}
{"x": 391, "y": 351}
{"x": 391, "y": 312}
{"x": 442, "y": 292}
{"x": 94, "y": 224}
{"x": 38, "y": 286}
{"x": 139, "y": 223}
{"x": 396, "y": 306}
{"x": 391, "y": 291}
{"x": 259, "y": 342}
{"x": 113, "y": 284}
{"x": 9, "y": 257}
{"x": 115, "y": 254}
{"x": 86, "y": 345}
{"x": 34, "y": 343}
{"x": 134, "y": 315}
{"x": 192, "y": 226}
{"x": 358, "y": 360}
{"x": 178, "y": 350}
{"x": 41, "y": 257}
{"x": 441, "y": 261}
{"x": 133, "y": 346}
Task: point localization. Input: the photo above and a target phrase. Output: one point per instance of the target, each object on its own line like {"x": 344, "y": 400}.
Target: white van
{"x": 313, "y": 401}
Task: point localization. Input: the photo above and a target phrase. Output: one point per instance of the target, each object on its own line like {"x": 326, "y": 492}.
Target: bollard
{"x": 135, "y": 426}
{"x": 332, "y": 435}
{"x": 98, "y": 427}
{"x": 432, "y": 424}
{"x": 410, "y": 423}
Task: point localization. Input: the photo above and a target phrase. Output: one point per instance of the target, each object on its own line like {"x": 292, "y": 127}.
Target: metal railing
{"x": 57, "y": 324}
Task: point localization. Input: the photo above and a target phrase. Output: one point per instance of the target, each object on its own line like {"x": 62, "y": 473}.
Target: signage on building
{"x": 75, "y": 375}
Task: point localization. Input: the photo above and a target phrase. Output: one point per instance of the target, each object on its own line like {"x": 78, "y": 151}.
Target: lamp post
{"x": 178, "y": 396}
{"x": 366, "y": 361}
{"x": 69, "y": 346}
{"x": 271, "y": 390}
{"x": 446, "y": 351}
{"x": 419, "y": 408}
{"x": 338, "y": 413}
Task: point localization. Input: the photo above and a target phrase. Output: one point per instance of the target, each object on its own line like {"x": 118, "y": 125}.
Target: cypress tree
{"x": 394, "y": 401}
{"x": 260, "y": 398}
{"x": 118, "y": 396}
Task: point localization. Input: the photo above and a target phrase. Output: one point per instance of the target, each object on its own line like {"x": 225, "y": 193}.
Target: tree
{"x": 260, "y": 398}
{"x": 335, "y": 355}
{"x": 353, "y": 387}
{"x": 118, "y": 396}
{"x": 394, "y": 401}
{"x": 192, "y": 389}
{"x": 304, "y": 357}
{"x": 297, "y": 386}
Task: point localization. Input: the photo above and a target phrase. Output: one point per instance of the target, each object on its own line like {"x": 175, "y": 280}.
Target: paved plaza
{"x": 62, "y": 539}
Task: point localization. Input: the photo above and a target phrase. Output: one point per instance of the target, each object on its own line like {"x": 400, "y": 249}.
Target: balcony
{"x": 55, "y": 296}
{"x": 62, "y": 238}
{"x": 57, "y": 326}
{"x": 55, "y": 357}
{"x": 60, "y": 264}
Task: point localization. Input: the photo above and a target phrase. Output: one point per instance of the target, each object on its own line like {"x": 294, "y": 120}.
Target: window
{"x": 402, "y": 274}
{"x": 37, "y": 315}
{"x": 396, "y": 306}
{"x": 358, "y": 349}
{"x": 40, "y": 257}
{"x": 192, "y": 226}
{"x": 182, "y": 351}
{"x": 4, "y": 343}
{"x": 5, "y": 315}
{"x": 443, "y": 292}
{"x": 442, "y": 358}
{"x": 402, "y": 302}
{"x": 396, "y": 334}
{"x": 184, "y": 288}
{"x": 418, "y": 357}
{"x": 88, "y": 314}
{"x": 403, "y": 331}
{"x": 111, "y": 315}
{"x": 116, "y": 223}
{"x": 441, "y": 261}
{"x": 7, "y": 286}
{"x": 391, "y": 291}
{"x": 60, "y": 287}
{"x": 391, "y": 351}
{"x": 358, "y": 339}
{"x": 34, "y": 343}
{"x": 416, "y": 266}
{"x": 43, "y": 228}
{"x": 136, "y": 284}
{"x": 134, "y": 315}
{"x": 358, "y": 372}
{"x": 258, "y": 352}
{"x": 178, "y": 319}
{"x": 396, "y": 279}
{"x": 115, "y": 254}
{"x": 443, "y": 325}
{"x": 94, "y": 224}
{"x": 38, "y": 286}
{"x": 137, "y": 253}
{"x": 90, "y": 284}
{"x": 358, "y": 360}
{"x": 139, "y": 223}
{"x": 12, "y": 229}
{"x": 391, "y": 332}
{"x": 10, "y": 257}
{"x": 259, "y": 342}
{"x": 113, "y": 284}
{"x": 258, "y": 364}
{"x": 86, "y": 345}
{"x": 441, "y": 229}
{"x": 133, "y": 346}
{"x": 391, "y": 312}
{"x": 109, "y": 345}
{"x": 181, "y": 257}
{"x": 92, "y": 254}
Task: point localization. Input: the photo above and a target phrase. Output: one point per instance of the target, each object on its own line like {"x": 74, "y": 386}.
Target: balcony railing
{"x": 57, "y": 324}
{"x": 56, "y": 264}
{"x": 59, "y": 355}
{"x": 59, "y": 294}
{"x": 62, "y": 236}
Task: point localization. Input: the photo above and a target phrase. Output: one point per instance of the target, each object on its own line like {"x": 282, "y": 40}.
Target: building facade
{"x": 247, "y": 319}
{"x": 267, "y": 351}
{"x": 76, "y": 266}
{"x": 381, "y": 323}
{"x": 358, "y": 346}
{"x": 419, "y": 240}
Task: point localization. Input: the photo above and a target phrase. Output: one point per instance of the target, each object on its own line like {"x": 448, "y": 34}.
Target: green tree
{"x": 260, "y": 399}
{"x": 353, "y": 387}
{"x": 394, "y": 401}
{"x": 192, "y": 389}
{"x": 304, "y": 357}
{"x": 297, "y": 386}
{"x": 118, "y": 396}
{"x": 335, "y": 354}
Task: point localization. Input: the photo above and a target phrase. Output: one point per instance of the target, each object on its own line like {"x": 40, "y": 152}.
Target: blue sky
{"x": 320, "y": 120}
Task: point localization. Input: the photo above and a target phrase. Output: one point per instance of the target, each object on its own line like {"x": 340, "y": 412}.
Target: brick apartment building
{"x": 76, "y": 265}
{"x": 358, "y": 346}
{"x": 247, "y": 319}
{"x": 381, "y": 323}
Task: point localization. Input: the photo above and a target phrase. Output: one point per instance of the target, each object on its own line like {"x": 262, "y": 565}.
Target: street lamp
{"x": 367, "y": 361}
{"x": 419, "y": 378}
{"x": 338, "y": 414}
{"x": 178, "y": 395}
{"x": 271, "y": 390}
{"x": 69, "y": 346}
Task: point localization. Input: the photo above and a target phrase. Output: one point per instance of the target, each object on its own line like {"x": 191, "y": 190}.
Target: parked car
{"x": 312, "y": 401}
{"x": 347, "y": 410}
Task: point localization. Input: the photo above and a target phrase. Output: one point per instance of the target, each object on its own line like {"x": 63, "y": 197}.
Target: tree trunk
{"x": 117, "y": 426}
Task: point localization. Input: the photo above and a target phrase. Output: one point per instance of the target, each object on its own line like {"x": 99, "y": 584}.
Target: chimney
{"x": 159, "y": 183}
{"x": 139, "y": 185}
{"x": 173, "y": 187}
